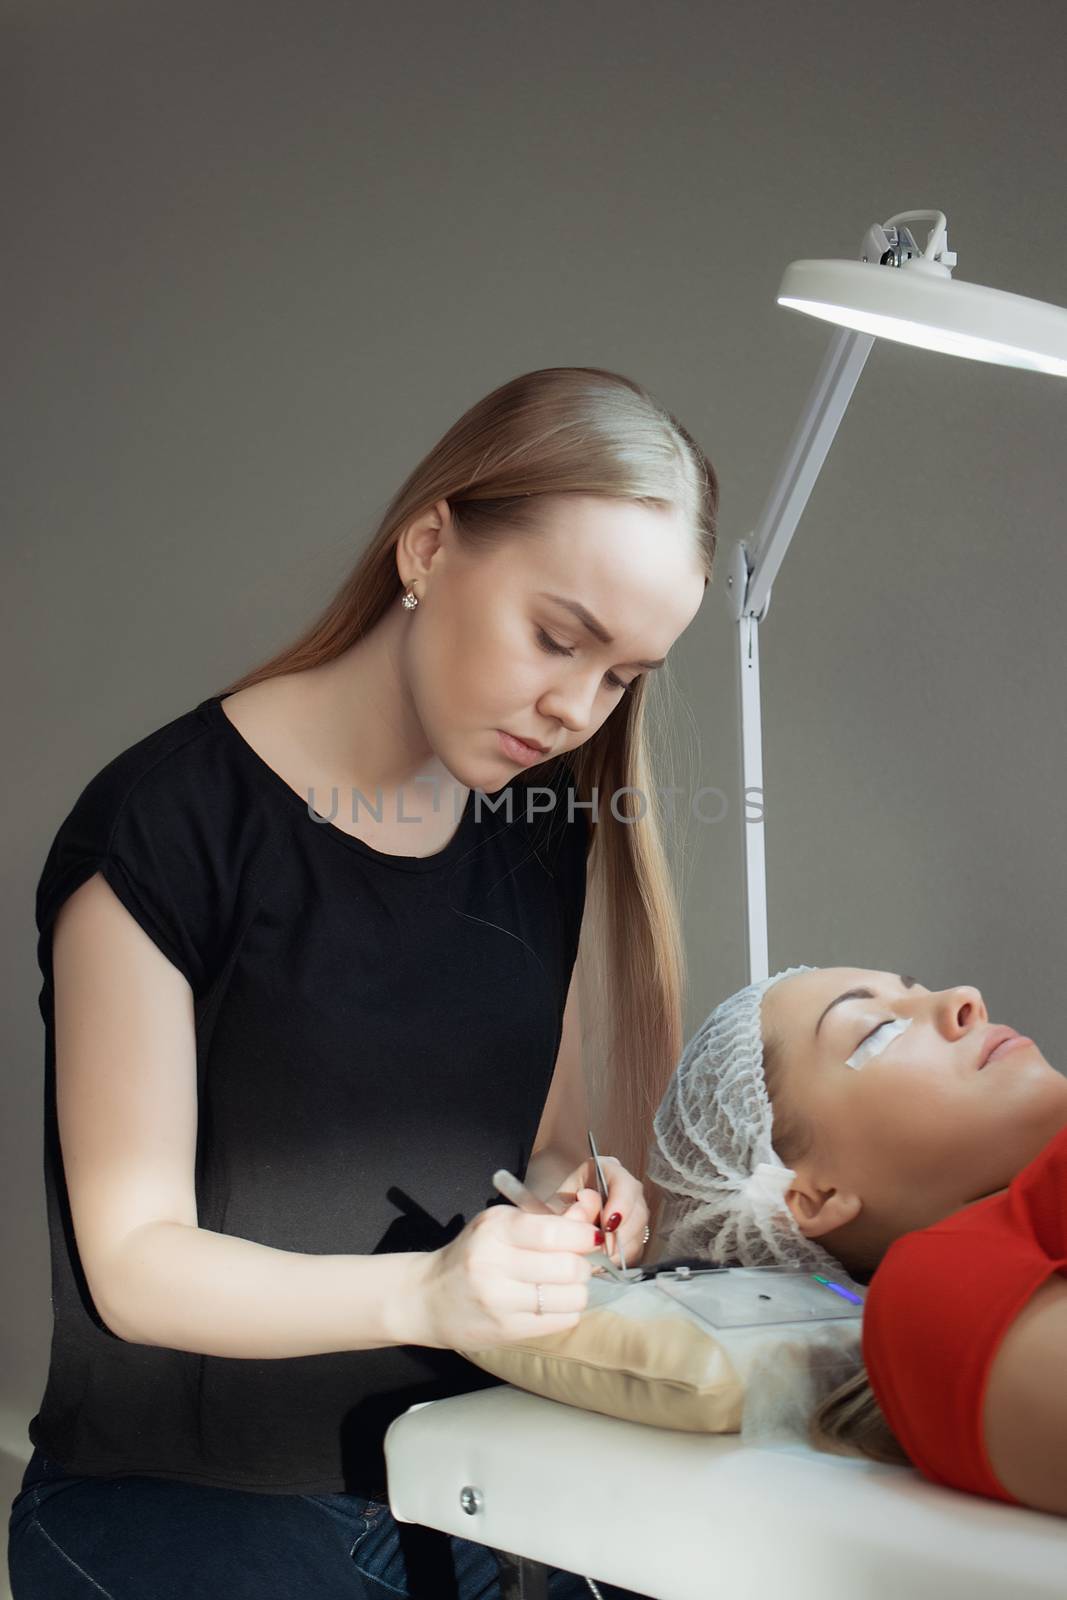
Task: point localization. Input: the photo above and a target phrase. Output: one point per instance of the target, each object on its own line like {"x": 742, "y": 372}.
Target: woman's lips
{"x": 523, "y": 754}
{"x": 1005, "y": 1045}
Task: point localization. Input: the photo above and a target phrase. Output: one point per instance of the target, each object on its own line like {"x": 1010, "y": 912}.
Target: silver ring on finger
{"x": 540, "y": 1303}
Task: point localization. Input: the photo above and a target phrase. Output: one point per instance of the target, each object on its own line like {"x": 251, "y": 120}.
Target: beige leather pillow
{"x": 639, "y": 1354}
{"x": 631, "y": 1354}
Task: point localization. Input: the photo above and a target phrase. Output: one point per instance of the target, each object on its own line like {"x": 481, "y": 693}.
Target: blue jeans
{"x": 141, "y": 1538}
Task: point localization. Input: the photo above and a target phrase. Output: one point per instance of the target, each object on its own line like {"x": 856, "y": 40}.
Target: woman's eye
{"x": 873, "y": 1031}
{"x": 884, "y": 1033}
{"x": 546, "y": 642}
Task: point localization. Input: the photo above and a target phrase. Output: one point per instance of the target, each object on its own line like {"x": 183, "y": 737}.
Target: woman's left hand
{"x": 625, "y": 1214}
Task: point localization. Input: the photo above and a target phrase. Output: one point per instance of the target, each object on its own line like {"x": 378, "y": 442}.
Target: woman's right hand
{"x": 480, "y": 1289}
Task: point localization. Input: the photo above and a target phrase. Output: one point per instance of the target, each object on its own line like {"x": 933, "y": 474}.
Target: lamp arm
{"x": 814, "y": 434}
{"x": 755, "y": 568}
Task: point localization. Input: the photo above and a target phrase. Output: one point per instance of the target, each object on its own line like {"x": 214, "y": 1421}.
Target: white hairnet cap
{"x": 713, "y": 1157}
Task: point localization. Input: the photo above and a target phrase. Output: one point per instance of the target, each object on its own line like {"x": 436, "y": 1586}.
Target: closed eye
{"x": 866, "y": 1051}
{"x": 876, "y": 1029}
{"x": 555, "y": 648}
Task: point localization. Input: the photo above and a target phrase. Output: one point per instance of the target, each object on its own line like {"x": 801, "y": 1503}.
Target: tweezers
{"x": 601, "y": 1184}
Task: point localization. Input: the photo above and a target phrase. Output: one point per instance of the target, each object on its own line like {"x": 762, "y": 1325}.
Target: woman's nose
{"x": 569, "y": 705}
{"x": 960, "y": 1009}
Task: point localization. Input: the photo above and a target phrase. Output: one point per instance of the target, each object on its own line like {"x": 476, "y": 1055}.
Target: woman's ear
{"x": 817, "y": 1211}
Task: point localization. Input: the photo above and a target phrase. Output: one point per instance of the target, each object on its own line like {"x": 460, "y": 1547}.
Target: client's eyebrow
{"x": 859, "y": 994}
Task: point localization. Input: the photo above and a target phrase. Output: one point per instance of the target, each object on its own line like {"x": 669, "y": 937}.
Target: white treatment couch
{"x": 680, "y": 1516}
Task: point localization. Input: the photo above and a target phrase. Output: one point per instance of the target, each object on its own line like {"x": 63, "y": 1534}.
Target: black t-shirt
{"x": 376, "y": 1035}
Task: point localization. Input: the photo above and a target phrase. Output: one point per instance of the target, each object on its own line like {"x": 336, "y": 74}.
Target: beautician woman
{"x": 291, "y": 1032}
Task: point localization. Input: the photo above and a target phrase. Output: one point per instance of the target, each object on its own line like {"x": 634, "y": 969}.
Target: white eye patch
{"x": 876, "y": 1042}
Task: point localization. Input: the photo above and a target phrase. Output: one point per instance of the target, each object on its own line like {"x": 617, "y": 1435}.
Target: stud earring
{"x": 411, "y": 599}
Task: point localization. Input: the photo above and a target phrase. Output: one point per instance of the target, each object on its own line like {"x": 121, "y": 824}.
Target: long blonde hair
{"x": 851, "y": 1422}
{"x": 586, "y": 431}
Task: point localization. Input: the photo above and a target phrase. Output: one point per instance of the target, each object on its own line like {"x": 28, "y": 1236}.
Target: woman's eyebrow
{"x": 859, "y": 994}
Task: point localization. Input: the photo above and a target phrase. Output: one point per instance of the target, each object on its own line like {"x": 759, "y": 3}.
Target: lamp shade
{"x": 916, "y": 305}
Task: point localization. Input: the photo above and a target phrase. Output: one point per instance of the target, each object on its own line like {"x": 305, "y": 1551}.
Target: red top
{"x": 938, "y": 1306}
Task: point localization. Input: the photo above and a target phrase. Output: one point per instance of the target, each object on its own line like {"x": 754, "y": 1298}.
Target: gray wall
{"x": 260, "y": 255}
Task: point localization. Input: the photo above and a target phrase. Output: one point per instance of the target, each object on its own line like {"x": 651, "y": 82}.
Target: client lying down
{"x": 829, "y": 1117}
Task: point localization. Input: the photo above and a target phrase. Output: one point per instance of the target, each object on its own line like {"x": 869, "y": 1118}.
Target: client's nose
{"x": 959, "y": 1009}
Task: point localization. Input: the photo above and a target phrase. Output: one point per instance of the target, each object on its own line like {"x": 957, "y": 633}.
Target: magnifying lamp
{"x": 894, "y": 291}
{"x": 921, "y": 304}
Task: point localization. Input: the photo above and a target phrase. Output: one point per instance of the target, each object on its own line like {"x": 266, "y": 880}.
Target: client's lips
{"x": 994, "y": 1039}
